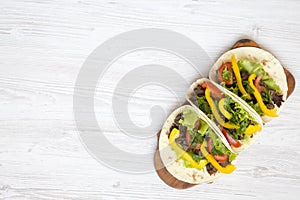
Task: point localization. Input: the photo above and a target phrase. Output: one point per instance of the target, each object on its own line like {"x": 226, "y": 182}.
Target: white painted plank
{"x": 43, "y": 45}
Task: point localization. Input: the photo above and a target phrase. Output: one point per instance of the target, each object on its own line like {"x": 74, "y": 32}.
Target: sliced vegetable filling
{"x": 237, "y": 125}
{"x": 197, "y": 145}
{"x": 261, "y": 92}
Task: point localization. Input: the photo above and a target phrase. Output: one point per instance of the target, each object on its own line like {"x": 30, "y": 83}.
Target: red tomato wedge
{"x": 218, "y": 157}
{"x": 215, "y": 92}
{"x": 257, "y": 84}
{"x": 230, "y": 140}
{"x": 198, "y": 145}
{"x": 221, "y": 158}
{"x": 228, "y": 67}
{"x": 209, "y": 146}
{"x": 188, "y": 137}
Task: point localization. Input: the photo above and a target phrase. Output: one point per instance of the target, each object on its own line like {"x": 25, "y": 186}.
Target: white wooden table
{"x": 43, "y": 45}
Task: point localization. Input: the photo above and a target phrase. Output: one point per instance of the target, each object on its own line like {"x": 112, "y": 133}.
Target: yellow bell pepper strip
{"x": 226, "y": 170}
{"x": 173, "y": 135}
{"x": 237, "y": 74}
{"x": 216, "y": 113}
{"x": 257, "y": 95}
{"x": 252, "y": 129}
{"x": 221, "y": 105}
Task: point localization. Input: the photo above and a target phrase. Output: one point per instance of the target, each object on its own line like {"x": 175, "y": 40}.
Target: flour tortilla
{"x": 176, "y": 166}
{"x": 249, "y": 109}
{"x": 271, "y": 65}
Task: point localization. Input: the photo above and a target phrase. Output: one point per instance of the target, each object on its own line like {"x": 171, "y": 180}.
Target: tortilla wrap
{"x": 270, "y": 64}
{"x": 176, "y": 166}
{"x": 251, "y": 111}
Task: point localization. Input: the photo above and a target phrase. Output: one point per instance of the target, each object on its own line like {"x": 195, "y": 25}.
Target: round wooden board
{"x": 159, "y": 166}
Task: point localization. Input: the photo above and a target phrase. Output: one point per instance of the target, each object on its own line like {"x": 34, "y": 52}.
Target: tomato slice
{"x": 198, "y": 145}
{"x": 221, "y": 158}
{"x": 230, "y": 140}
{"x": 257, "y": 84}
{"x": 209, "y": 146}
{"x": 188, "y": 137}
{"x": 218, "y": 157}
{"x": 215, "y": 92}
{"x": 227, "y": 66}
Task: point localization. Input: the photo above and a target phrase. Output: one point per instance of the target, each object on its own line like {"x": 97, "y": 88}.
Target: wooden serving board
{"x": 159, "y": 166}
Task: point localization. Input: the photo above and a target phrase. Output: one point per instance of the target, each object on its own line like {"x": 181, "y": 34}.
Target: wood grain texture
{"x": 42, "y": 47}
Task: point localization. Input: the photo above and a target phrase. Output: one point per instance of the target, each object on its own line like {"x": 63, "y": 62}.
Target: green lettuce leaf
{"x": 204, "y": 127}
{"x": 189, "y": 119}
{"x": 233, "y": 89}
{"x": 203, "y": 105}
{"x": 239, "y": 116}
{"x": 257, "y": 69}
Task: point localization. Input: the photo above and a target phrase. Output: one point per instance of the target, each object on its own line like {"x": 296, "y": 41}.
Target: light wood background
{"x": 42, "y": 47}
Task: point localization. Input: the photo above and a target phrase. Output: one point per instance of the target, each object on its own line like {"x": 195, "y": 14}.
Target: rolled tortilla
{"x": 270, "y": 64}
{"x": 176, "y": 166}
